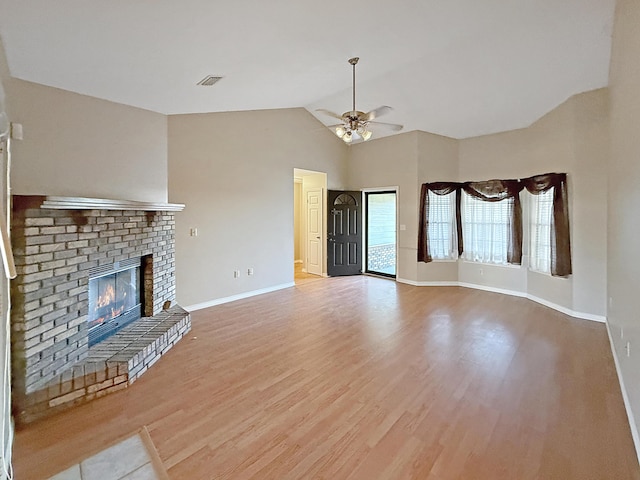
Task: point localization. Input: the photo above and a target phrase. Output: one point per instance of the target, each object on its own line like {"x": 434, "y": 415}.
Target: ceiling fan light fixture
{"x": 354, "y": 122}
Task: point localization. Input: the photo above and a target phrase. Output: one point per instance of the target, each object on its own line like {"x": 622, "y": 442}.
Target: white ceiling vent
{"x": 209, "y": 80}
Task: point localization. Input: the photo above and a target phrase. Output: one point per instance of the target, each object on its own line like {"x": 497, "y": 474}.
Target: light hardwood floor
{"x": 363, "y": 378}
{"x": 301, "y": 277}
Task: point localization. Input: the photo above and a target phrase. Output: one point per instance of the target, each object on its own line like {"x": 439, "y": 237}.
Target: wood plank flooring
{"x": 301, "y": 277}
{"x": 363, "y": 378}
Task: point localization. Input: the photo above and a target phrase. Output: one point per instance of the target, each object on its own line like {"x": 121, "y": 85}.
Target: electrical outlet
{"x": 236, "y": 274}
{"x": 193, "y": 232}
{"x": 16, "y": 131}
{"x": 628, "y": 348}
{"x": 249, "y": 271}
{"x": 481, "y": 272}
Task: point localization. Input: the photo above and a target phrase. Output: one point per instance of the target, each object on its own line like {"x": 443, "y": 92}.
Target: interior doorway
{"x": 310, "y": 189}
{"x": 381, "y": 232}
{"x": 313, "y": 234}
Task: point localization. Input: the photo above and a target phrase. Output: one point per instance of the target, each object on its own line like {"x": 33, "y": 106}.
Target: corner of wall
{"x": 623, "y": 203}
{"x": 5, "y": 359}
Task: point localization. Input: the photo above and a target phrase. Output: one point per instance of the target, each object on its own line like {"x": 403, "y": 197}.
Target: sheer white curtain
{"x": 540, "y": 212}
{"x": 443, "y": 238}
{"x": 485, "y": 229}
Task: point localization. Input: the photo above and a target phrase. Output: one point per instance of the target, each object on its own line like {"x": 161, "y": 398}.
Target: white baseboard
{"x": 240, "y": 296}
{"x": 428, "y": 284}
{"x": 625, "y": 397}
{"x": 567, "y": 311}
{"x": 546, "y": 303}
{"x": 504, "y": 291}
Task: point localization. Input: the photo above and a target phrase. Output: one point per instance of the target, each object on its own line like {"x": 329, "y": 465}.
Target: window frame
{"x": 474, "y": 256}
{"x": 434, "y": 200}
{"x": 535, "y": 213}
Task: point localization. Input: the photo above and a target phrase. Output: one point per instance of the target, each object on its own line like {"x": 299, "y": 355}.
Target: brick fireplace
{"x": 59, "y": 243}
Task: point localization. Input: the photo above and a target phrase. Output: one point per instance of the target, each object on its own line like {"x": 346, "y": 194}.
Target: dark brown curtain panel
{"x": 438, "y": 188}
{"x": 499, "y": 190}
{"x": 560, "y": 236}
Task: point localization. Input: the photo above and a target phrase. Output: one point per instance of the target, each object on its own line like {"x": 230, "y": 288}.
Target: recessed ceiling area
{"x": 459, "y": 68}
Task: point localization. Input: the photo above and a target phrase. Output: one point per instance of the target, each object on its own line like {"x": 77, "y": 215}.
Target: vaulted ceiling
{"x": 459, "y": 68}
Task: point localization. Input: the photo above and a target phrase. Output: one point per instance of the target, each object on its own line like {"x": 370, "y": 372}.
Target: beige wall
{"x": 102, "y": 149}
{"x": 76, "y": 145}
{"x": 574, "y": 139}
{"x": 392, "y": 162}
{"x": 407, "y": 161}
{"x": 437, "y": 161}
{"x": 546, "y": 146}
{"x": 589, "y": 241}
{"x": 623, "y": 265}
{"x": 234, "y": 172}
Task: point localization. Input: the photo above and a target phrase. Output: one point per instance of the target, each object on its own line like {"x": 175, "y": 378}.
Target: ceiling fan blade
{"x": 329, "y": 112}
{"x": 373, "y": 114}
{"x": 391, "y": 126}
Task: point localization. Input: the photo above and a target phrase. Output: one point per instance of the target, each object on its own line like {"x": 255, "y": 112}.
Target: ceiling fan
{"x": 356, "y": 125}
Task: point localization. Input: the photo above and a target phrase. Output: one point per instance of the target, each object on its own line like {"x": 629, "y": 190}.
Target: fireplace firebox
{"x": 115, "y": 298}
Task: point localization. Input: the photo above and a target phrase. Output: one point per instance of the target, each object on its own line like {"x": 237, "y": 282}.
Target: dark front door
{"x": 344, "y": 233}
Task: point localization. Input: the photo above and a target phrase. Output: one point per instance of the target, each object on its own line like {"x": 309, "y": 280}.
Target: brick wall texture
{"x": 54, "y": 251}
{"x": 380, "y": 257}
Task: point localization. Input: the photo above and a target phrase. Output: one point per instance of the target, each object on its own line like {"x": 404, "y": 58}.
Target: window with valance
{"x": 488, "y": 233}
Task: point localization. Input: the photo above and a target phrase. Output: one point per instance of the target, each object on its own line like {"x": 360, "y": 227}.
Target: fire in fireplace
{"x": 115, "y": 298}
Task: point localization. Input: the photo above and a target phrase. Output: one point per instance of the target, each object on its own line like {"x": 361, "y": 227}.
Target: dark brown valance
{"x": 492, "y": 190}
{"x": 495, "y": 191}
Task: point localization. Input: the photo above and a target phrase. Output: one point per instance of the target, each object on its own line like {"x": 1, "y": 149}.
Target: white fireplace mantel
{"x": 82, "y": 203}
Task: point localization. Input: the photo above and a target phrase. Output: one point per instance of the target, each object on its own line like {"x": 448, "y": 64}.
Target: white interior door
{"x": 314, "y": 231}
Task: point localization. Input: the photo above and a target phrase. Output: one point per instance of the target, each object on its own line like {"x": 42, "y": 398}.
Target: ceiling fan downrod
{"x": 354, "y": 61}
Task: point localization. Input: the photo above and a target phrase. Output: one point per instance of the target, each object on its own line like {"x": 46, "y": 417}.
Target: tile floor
{"x": 127, "y": 460}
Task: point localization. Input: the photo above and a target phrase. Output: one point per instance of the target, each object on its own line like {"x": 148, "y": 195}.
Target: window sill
{"x": 503, "y": 265}
{"x": 546, "y": 274}
{"x": 471, "y": 262}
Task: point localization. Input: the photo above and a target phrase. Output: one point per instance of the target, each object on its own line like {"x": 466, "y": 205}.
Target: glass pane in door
{"x": 381, "y": 233}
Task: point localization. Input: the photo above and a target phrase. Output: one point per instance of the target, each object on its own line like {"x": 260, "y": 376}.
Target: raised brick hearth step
{"x": 111, "y": 365}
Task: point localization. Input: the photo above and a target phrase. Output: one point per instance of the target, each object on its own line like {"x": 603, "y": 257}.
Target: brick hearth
{"x": 54, "y": 251}
{"x": 111, "y": 365}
